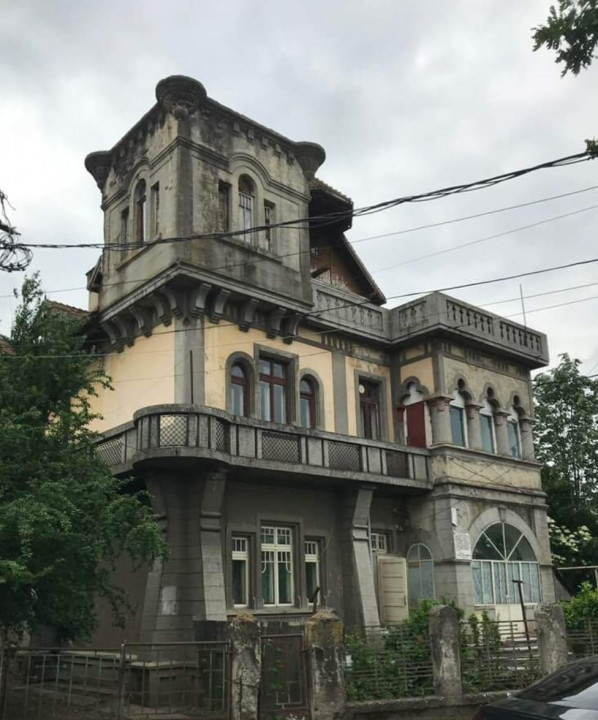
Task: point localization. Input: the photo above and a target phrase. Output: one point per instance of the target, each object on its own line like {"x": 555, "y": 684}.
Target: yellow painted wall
{"x": 471, "y": 469}
{"x": 221, "y": 340}
{"x": 351, "y": 365}
{"x": 141, "y": 375}
{"x": 422, "y": 369}
{"x": 477, "y": 377}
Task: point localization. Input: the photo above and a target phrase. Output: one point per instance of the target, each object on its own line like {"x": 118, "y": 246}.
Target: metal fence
{"x": 496, "y": 655}
{"x": 133, "y": 681}
{"x": 582, "y": 640}
{"x": 388, "y": 662}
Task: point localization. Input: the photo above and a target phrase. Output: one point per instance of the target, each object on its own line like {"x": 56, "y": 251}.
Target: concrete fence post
{"x": 325, "y": 662}
{"x": 246, "y": 667}
{"x": 552, "y": 637}
{"x": 446, "y": 658}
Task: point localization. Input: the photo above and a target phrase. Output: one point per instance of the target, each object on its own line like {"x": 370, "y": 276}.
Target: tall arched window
{"x": 140, "y": 212}
{"x": 502, "y": 554}
{"x": 246, "y": 205}
{"x": 307, "y": 401}
{"x": 487, "y": 431}
{"x": 458, "y": 424}
{"x": 420, "y": 574}
{"x": 239, "y": 390}
{"x": 514, "y": 433}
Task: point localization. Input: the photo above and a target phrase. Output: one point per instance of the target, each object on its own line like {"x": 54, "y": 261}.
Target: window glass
{"x": 246, "y": 206}
{"x": 239, "y": 390}
{"x": 457, "y": 425}
{"x": 369, "y": 408}
{"x": 240, "y": 568}
{"x": 273, "y": 390}
{"x": 312, "y": 568}
{"x": 277, "y": 565}
{"x": 140, "y": 212}
{"x": 307, "y": 402}
{"x": 513, "y": 436}
{"x": 420, "y": 574}
{"x": 486, "y": 432}
{"x": 379, "y": 542}
{"x": 503, "y": 555}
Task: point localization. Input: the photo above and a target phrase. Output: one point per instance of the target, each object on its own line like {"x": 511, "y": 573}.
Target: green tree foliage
{"x": 63, "y": 518}
{"x": 571, "y": 31}
{"x": 566, "y": 434}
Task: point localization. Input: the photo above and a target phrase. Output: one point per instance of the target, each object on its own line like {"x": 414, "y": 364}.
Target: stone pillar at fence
{"x": 325, "y": 650}
{"x": 446, "y": 658}
{"x": 552, "y": 637}
{"x": 246, "y": 667}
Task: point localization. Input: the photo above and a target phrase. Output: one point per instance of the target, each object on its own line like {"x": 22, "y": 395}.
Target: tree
{"x": 566, "y": 434}
{"x": 64, "y": 520}
{"x": 572, "y": 31}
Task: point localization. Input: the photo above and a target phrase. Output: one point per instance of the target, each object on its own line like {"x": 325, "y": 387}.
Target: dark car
{"x": 568, "y": 694}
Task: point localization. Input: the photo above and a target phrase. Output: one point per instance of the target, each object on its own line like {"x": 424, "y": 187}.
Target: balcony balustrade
{"x": 196, "y": 432}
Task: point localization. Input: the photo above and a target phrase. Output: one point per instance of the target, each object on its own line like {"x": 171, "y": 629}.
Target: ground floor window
{"x": 277, "y": 565}
{"x": 312, "y": 568}
{"x": 502, "y": 556}
{"x": 379, "y": 543}
{"x": 240, "y": 567}
{"x": 420, "y": 574}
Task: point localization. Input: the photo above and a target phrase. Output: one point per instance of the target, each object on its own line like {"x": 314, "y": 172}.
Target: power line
{"x": 484, "y": 239}
{"x": 352, "y": 213}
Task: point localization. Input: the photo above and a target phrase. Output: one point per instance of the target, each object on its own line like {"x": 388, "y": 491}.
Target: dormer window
{"x": 140, "y": 210}
{"x": 246, "y": 205}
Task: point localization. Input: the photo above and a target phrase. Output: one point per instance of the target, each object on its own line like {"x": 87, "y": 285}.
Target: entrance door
{"x": 392, "y": 589}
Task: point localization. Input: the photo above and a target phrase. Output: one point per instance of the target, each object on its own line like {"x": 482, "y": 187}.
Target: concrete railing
{"x": 192, "y": 431}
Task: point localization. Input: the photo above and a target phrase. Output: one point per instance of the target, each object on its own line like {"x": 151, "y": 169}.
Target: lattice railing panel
{"x": 173, "y": 430}
{"x": 220, "y": 431}
{"x": 397, "y": 464}
{"x": 344, "y": 456}
{"x": 112, "y": 451}
{"x": 281, "y": 447}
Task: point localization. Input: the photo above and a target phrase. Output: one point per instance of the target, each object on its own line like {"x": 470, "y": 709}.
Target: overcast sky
{"x": 406, "y": 97}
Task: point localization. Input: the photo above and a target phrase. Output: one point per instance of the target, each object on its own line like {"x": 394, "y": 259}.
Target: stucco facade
{"x": 292, "y": 431}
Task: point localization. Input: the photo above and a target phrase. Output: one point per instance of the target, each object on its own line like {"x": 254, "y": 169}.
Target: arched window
{"x": 369, "y": 409}
{"x": 420, "y": 574}
{"x": 514, "y": 433}
{"x": 501, "y": 555}
{"x": 246, "y": 205}
{"x": 458, "y": 424}
{"x": 307, "y": 401}
{"x": 487, "y": 431}
{"x": 239, "y": 390}
{"x": 140, "y": 212}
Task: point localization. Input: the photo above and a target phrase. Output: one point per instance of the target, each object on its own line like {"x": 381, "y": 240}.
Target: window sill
{"x": 230, "y": 240}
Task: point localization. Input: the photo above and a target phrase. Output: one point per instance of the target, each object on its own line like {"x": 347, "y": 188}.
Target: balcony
{"x": 196, "y": 433}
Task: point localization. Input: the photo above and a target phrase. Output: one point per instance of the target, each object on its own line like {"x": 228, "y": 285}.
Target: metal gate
{"x": 284, "y": 684}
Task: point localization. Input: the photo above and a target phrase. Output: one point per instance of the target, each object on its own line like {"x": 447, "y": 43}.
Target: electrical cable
{"x": 352, "y": 213}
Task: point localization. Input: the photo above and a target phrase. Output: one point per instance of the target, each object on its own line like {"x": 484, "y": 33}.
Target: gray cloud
{"x": 405, "y": 97}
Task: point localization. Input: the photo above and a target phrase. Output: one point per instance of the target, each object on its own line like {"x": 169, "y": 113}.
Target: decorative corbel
{"x": 291, "y": 326}
{"x": 161, "y": 308}
{"x": 125, "y": 329}
{"x": 247, "y": 314}
{"x": 113, "y": 335}
{"x": 144, "y": 319}
{"x": 273, "y": 322}
{"x": 198, "y": 299}
{"x": 174, "y": 300}
{"x": 217, "y": 309}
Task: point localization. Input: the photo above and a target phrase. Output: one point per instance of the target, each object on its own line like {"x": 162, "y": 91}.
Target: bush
{"x": 582, "y": 608}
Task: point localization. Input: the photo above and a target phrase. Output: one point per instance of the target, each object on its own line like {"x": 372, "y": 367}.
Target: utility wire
{"x": 352, "y": 213}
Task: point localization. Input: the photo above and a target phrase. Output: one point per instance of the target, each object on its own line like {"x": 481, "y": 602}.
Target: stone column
{"x": 361, "y": 606}
{"x": 446, "y": 658}
{"x": 502, "y": 433}
{"x": 527, "y": 438}
{"x": 210, "y": 526}
{"x": 324, "y": 641}
{"x": 441, "y": 419}
{"x": 246, "y": 667}
{"x": 474, "y": 432}
{"x": 552, "y": 637}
